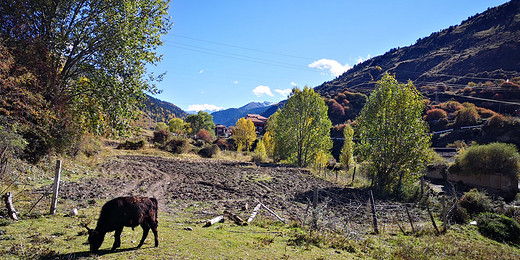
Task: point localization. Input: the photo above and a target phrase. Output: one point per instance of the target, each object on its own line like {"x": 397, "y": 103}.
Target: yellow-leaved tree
{"x": 244, "y": 134}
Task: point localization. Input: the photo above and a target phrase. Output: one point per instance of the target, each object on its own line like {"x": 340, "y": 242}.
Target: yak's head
{"x": 95, "y": 239}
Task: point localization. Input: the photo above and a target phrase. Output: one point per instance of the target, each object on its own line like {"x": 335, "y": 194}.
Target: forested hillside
{"x": 485, "y": 47}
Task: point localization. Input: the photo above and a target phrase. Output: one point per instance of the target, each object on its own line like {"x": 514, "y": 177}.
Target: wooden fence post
{"x": 409, "y": 218}
{"x": 374, "y": 216}
{"x": 56, "y": 188}
{"x": 353, "y": 175}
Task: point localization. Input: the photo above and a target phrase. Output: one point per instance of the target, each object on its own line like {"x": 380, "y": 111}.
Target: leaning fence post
{"x": 409, "y": 218}
{"x": 374, "y": 217}
{"x": 56, "y": 187}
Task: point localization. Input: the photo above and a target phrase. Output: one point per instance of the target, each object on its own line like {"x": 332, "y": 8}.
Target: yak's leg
{"x": 154, "y": 230}
{"x": 146, "y": 229}
{"x": 117, "y": 240}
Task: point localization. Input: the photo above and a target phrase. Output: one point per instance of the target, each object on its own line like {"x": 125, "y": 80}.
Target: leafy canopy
{"x": 301, "y": 129}
{"x": 244, "y": 134}
{"x": 93, "y": 53}
{"x": 393, "y": 136}
{"x": 201, "y": 120}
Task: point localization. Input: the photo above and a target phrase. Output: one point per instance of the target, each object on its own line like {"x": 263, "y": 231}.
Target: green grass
{"x": 63, "y": 237}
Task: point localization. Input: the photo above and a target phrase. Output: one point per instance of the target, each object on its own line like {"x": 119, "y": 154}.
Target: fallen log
{"x": 255, "y": 211}
{"x": 238, "y": 220}
{"x": 214, "y": 220}
{"x": 8, "y": 199}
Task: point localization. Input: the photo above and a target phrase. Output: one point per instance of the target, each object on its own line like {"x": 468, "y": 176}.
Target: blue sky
{"x": 223, "y": 54}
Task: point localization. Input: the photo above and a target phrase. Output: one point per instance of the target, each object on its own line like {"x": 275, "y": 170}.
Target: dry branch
{"x": 274, "y": 214}
{"x": 8, "y": 199}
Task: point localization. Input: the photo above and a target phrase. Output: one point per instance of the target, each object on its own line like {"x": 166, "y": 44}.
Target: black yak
{"x": 124, "y": 212}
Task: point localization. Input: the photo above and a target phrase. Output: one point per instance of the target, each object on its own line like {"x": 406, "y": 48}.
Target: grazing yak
{"x": 124, "y": 212}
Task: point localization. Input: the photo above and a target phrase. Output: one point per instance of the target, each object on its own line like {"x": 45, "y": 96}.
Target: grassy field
{"x": 181, "y": 235}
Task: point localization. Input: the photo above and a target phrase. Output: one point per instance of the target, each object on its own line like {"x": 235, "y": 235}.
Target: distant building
{"x": 259, "y": 121}
{"x": 221, "y": 131}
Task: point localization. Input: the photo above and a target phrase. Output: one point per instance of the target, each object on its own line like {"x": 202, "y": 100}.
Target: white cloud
{"x": 204, "y": 107}
{"x": 331, "y": 65}
{"x": 294, "y": 84}
{"x": 201, "y": 71}
{"x": 263, "y": 90}
{"x": 283, "y": 92}
{"x": 361, "y": 59}
{"x": 235, "y": 82}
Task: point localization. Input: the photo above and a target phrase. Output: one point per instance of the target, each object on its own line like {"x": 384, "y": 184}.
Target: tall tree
{"x": 347, "y": 152}
{"x": 393, "y": 135}
{"x": 94, "y": 54}
{"x": 244, "y": 134}
{"x": 201, "y": 120}
{"x": 176, "y": 125}
{"x": 301, "y": 129}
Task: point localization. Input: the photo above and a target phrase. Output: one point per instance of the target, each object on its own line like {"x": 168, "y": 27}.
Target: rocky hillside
{"x": 485, "y": 47}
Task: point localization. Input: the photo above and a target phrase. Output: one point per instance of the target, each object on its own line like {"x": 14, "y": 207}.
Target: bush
{"x": 466, "y": 116}
{"x": 497, "y": 120}
{"x": 475, "y": 202}
{"x": 224, "y": 144}
{"x": 209, "y": 151}
{"x": 177, "y": 146}
{"x": 498, "y": 227}
{"x": 131, "y": 145}
{"x": 435, "y": 114}
{"x": 205, "y": 135}
{"x": 161, "y": 137}
{"x": 498, "y": 158}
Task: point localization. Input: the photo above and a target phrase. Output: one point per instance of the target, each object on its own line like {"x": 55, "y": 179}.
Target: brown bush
{"x": 177, "y": 146}
{"x": 435, "y": 114}
{"x": 496, "y": 121}
{"x": 205, "y": 135}
{"x": 161, "y": 137}
{"x": 209, "y": 151}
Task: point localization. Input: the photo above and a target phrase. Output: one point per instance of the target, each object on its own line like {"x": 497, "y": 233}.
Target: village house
{"x": 221, "y": 131}
{"x": 259, "y": 121}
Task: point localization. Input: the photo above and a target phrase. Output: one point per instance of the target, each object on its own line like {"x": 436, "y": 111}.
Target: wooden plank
{"x": 255, "y": 211}
{"x": 56, "y": 187}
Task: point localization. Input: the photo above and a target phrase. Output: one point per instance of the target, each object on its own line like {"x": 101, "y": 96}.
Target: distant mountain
{"x": 229, "y": 117}
{"x": 162, "y": 111}
{"x": 485, "y": 47}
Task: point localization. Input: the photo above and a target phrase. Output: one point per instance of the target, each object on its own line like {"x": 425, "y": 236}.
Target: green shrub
{"x": 499, "y": 227}
{"x": 475, "y": 202}
{"x": 466, "y": 116}
{"x": 498, "y": 158}
{"x": 470, "y": 205}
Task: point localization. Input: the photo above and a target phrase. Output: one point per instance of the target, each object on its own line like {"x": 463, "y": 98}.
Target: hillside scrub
{"x": 494, "y": 158}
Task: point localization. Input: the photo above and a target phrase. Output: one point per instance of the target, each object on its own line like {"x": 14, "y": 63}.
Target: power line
{"x": 236, "y": 56}
{"x": 244, "y": 48}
